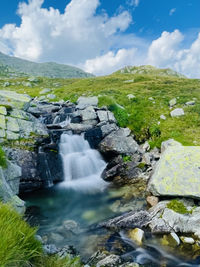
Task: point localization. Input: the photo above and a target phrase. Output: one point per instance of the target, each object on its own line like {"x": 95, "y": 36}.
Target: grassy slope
{"x": 144, "y": 114}
{"x": 49, "y": 69}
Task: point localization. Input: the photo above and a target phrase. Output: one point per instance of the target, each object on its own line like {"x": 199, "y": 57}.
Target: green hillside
{"x": 20, "y": 67}
{"x": 142, "y": 112}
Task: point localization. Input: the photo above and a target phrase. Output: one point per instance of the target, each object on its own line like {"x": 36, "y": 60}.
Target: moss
{"x": 3, "y": 163}
{"x": 141, "y": 165}
{"x": 178, "y": 207}
{"x": 126, "y": 158}
{"x": 55, "y": 261}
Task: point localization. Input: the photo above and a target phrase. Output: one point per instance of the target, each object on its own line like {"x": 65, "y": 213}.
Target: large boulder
{"x": 119, "y": 142}
{"x": 15, "y": 100}
{"x": 177, "y": 173}
{"x": 84, "y": 102}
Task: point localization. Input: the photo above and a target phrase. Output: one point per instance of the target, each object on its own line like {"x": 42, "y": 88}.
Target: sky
{"x": 102, "y": 36}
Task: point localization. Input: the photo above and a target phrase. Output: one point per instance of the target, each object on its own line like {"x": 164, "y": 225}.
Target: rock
{"x": 102, "y": 115}
{"x": 33, "y": 79}
{"x": 190, "y": 103}
{"x": 2, "y": 133}
{"x": 51, "y": 96}
{"x": 84, "y": 102}
{"x": 70, "y": 225}
{"x": 187, "y": 240}
{"x": 3, "y": 110}
{"x": 88, "y": 114}
{"x": 2, "y": 122}
{"x": 177, "y": 173}
{"x": 136, "y": 235}
{"x": 151, "y": 98}
{"x": 177, "y": 112}
{"x": 12, "y": 136}
{"x": 66, "y": 251}
{"x": 152, "y": 201}
{"x": 130, "y": 220}
{"x": 129, "y": 81}
{"x": 78, "y": 128}
{"x": 172, "y": 102}
{"x": 14, "y": 99}
{"x": 163, "y": 117}
{"x": 108, "y": 128}
{"x": 119, "y": 142}
{"x": 45, "y": 91}
{"x": 175, "y": 238}
{"x": 111, "y": 117}
{"x": 50, "y": 249}
{"x": 94, "y": 136}
{"x": 12, "y": 124}
{"x": 109, "y": 261}
{"x": 55, "y": 238}
{"x": 130, "y": 96}
{"x": 26, "y": 84}
{"x": 20, "y": 114}
{"x": 12, "y": 175}
{"x": 169, "y": 143}
{"x": 146, "y": 146}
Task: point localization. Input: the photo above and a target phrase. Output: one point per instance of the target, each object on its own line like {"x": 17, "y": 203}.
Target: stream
{"x": 66, "y": 212}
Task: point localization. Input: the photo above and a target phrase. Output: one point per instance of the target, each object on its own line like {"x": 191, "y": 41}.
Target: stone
{"x": 45, "y": 91}
{"x": 146, "y": 146}
{"x": 2, "y": 133}
{"x": 20, "y": 114}
{"x": 3, "y": 110}
{"x": 175, "y": 238}
{"x": 84, "y": 102}
{"x": 187, "y": 240}
{"x": 163, "y": 117}
{"x": 130, "y": 96}
{"x": 111, "y": 117}
{"x": 151, "y": 98}
{"x": 108, "y": 128}
{"x": 88, "y": 114}
{"x": 51, "y": 96}
{"x": 102, "y": 115}
{"x": 130, "y": 220}
{"x": 50, "y": 249}
{"x": 78, "y": 127}
{"x": 178, "y": 112}
{"x": 109, "y": 261}
{"x": 190, "y": 103}
{"x": 2, "y": 122}
{"x": 177, "y": 173}
{"x": 169, "y": 143}
{"x": 129, "y": 81}
{"x": 152, "y": 201}
{"x": 136, "y": 235}
{"x": 12, "y": 125}
{"x": 33, "y": 79}
{"x": 12, "y": 174}
{"x": 119, "y": 142}
{"x": 12, "y": 136}
{"x": 14, "y": 99}
{"x": 172, "y": 102}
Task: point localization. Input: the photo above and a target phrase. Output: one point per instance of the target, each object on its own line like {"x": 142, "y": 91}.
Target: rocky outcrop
{"x": 177, "y": 172}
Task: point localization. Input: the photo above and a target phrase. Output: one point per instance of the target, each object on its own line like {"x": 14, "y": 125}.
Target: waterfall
{"x": 82, "y": 165}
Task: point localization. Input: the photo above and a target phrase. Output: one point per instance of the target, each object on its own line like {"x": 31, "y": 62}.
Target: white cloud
{"x": 72, "y": 37}
{"x": 172, "y": 11}
{"x": 168, "y": 52}
{"x": 133, "y": 3}
{"x": 111, "y": 61}
{"x": 79, "y": 36}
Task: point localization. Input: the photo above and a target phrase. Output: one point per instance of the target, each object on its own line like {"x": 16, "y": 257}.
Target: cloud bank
{"x": 96, "y": 42}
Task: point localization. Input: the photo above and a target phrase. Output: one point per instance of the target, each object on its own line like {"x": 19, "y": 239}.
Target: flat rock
{"x": 14, "y": 99}
{"x": 84, "y": 102}
{"x": 177, "y": 173}
{"x": 178, "y": 112}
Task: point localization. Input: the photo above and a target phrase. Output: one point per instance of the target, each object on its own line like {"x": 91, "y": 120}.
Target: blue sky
{"x": 103, "y": 35}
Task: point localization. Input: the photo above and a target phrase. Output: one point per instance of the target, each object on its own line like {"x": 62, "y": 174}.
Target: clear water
{"x": 66, "y": 212}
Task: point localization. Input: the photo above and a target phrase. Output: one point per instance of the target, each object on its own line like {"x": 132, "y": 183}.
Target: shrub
{"x": 18, "y": 245}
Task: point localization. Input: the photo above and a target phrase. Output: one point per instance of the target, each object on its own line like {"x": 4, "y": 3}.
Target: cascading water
{"x": 82, "y": 165}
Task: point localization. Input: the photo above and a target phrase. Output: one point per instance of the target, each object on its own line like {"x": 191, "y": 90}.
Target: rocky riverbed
{"x": 151, "y": 200}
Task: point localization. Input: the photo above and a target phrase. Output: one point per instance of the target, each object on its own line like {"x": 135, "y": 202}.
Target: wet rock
{"x": 129, "y": 220}
{"x": 109, "y": 261}
{"x": 136, "y": 235}
{"x": 94, "y": 136}
{"x": 84, "y": 102}
{"x": 152, "y": 201}
{"x": 187, "y": 240}
{"x": 118, "y": 142}
{"x": 177, "y": 173}
{"x": 50, "y": 249}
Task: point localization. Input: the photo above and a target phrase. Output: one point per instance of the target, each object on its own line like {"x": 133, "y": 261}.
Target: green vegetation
{"x": 2, "y": 158}
{"x": 140, "y": 114}
{"x": 126, "y": 158}
{"x": 18, "y": 245}
{"x": 178, "y": 207}
{"x": 54, "y": 261}
{"x": 19, "y": 67}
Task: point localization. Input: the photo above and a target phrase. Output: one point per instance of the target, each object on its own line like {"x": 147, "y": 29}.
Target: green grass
{"x": 140, "y": 114}
{"x": 18, "y": 245}
{"x": 3, "y": 163}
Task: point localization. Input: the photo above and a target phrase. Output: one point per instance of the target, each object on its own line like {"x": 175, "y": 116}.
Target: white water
{"x": 82, "y": 165}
